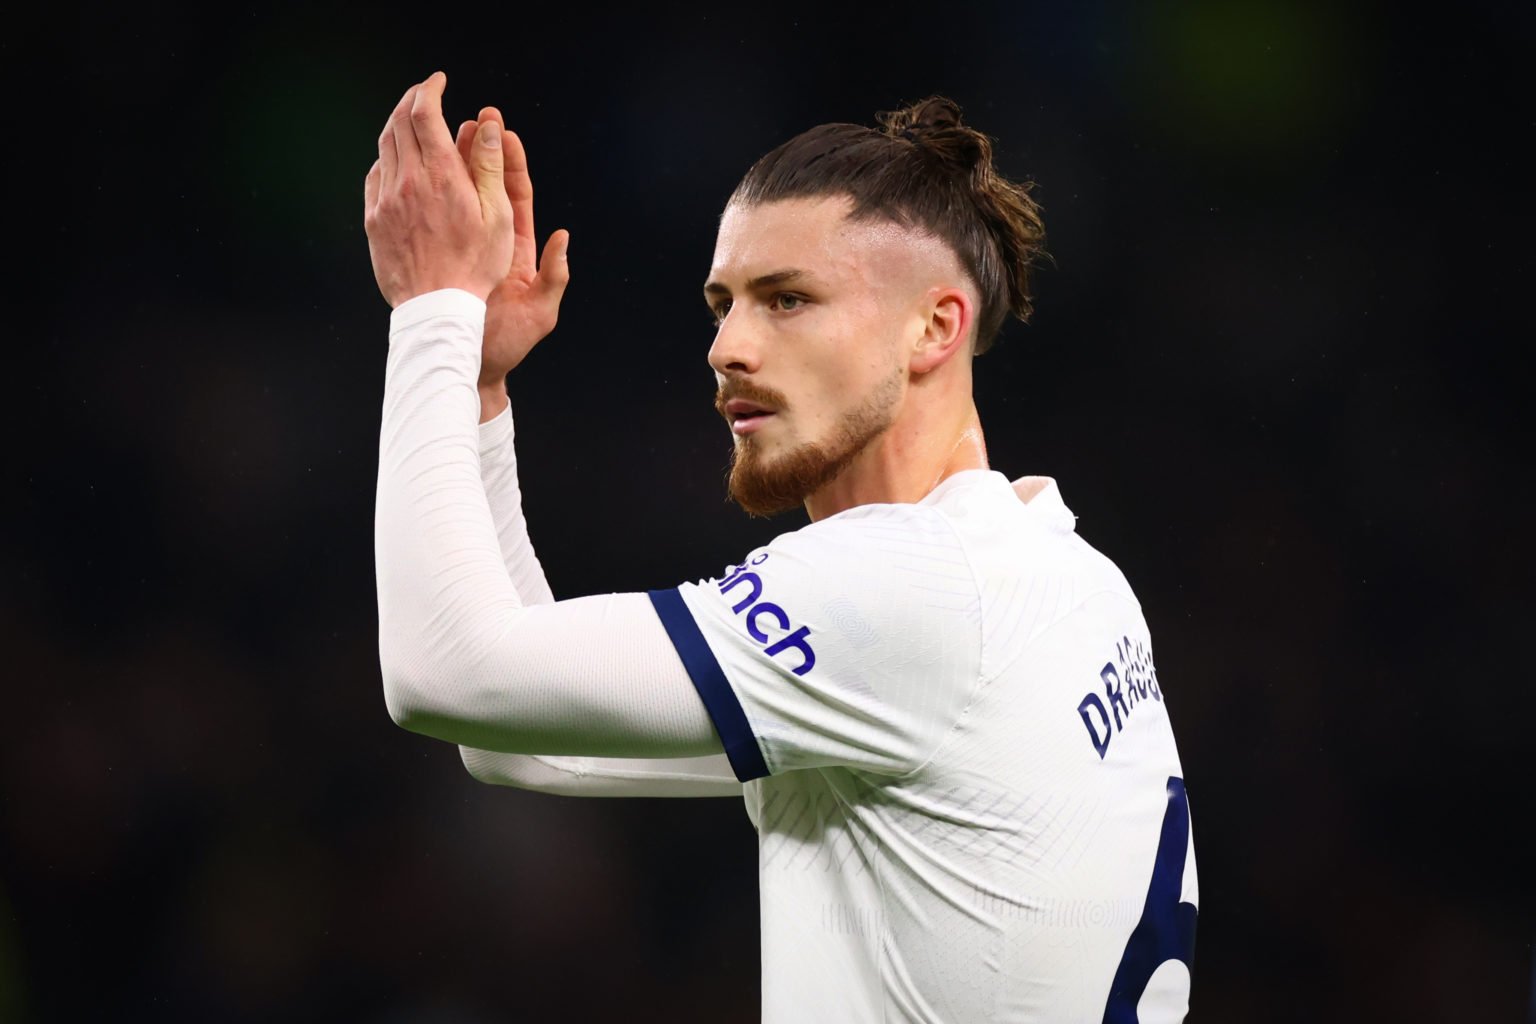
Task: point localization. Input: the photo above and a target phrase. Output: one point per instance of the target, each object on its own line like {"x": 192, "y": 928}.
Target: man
{"x": 938, "y": 702}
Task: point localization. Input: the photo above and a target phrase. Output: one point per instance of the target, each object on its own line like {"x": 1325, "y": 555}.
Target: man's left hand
{"x": 525, "y": 304}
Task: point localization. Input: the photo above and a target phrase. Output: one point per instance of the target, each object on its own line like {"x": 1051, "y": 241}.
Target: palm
{"x": 517, "y": 317}
{"x": 523, "y": 308}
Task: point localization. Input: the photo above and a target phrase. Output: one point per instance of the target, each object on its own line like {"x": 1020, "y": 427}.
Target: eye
{"x": 794, "y": 301}
{"x": 717, "y": 313}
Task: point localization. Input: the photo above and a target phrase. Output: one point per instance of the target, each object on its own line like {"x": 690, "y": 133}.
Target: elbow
{"x": 405, "y": 693}
{"x": 436, "y": 680}
{"x": 482, "y": 766}
{"x": 433, "y": 698}
{"x": 401, "y": 703}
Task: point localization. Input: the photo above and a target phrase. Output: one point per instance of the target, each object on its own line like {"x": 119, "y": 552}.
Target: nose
{"x": 735, "y": 350}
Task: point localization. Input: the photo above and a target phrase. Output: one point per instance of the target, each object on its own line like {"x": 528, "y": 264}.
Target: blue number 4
{"x": 1165, "y": 935}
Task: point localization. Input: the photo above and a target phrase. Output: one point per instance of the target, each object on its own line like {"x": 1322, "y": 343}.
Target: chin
{"x": 766, "y": 480}
{"x": 772, "y": 477}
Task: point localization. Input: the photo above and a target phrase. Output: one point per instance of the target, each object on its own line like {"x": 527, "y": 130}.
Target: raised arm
{"x": 463, "y": 660}
{"x": 520, "y": 312}
{"x": 570, "y": 776}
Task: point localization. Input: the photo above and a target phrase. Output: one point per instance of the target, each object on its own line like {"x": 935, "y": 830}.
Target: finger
{"x": 389, "y": 157}
{"x": 427, "y": 119}
{"x": 389, "y": 152}
{"x": 520, "y": 195}
{"x": 388, "y": 139}
{"x": 487, "y": 114}
{"x": 371, "y": 188}
{"x": 465, "y": 139}
{"x": 486, "y": 167}
{"x": 554, "y": 268}
{"x": 407, "y": 149}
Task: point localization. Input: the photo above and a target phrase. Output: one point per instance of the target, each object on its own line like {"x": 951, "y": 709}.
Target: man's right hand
{"x": 525, "y": 304}
{"x": 432, "y": 222}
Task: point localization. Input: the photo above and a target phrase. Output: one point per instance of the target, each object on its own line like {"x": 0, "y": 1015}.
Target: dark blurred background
{"x": 1280, "y": 369}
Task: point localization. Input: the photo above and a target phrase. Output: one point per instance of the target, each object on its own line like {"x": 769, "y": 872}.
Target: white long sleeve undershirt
{"x": 463, "y": 659}
{"x": 709, "y": 775}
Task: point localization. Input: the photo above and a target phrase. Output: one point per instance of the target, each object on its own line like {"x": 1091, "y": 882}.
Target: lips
{"x": 745, "y": 415}
{"x": 743, "y": 407}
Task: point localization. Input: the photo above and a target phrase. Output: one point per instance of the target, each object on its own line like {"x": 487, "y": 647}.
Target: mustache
{"x": 739, "y": 387}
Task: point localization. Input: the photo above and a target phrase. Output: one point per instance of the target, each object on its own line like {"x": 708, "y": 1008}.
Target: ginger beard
{"x": 766, "y": 485}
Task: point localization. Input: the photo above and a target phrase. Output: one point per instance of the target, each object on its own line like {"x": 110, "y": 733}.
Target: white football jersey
{"x": 959, "y": 762}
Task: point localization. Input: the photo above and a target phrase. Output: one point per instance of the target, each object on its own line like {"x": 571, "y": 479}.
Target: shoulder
{"x": 890, "y": 560}
{"x": 874, "y": 580}
{"x": 1021, "y": 530}
{"x": 893, "y": 532}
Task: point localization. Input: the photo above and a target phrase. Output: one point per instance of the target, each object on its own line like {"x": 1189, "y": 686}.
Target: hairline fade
{"x": 924, "y": 170}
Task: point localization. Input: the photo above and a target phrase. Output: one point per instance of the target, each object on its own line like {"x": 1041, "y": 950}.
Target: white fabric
{"x": 709, "y": 775}
{"x": 971, "y": 760}
{"x": 605, "y": 776}
{"x": 462, "y": 659}
{"x": 940, "y": 839}
{"x": 498, "y": 473}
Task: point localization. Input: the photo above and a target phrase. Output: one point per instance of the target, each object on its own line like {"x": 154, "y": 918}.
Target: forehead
{"x": 816, "y": 236}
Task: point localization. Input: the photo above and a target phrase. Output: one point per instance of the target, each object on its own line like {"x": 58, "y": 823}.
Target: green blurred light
{"x": 1258, "y": 75}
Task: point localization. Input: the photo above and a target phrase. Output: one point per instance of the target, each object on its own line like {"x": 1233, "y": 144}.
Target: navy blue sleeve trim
{"x": 719, "y": 699}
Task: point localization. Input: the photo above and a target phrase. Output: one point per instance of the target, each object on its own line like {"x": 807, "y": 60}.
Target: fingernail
{"x": 490, "y": 134}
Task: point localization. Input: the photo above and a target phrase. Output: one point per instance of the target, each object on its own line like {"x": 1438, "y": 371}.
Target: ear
{"x": 947, "y": 330}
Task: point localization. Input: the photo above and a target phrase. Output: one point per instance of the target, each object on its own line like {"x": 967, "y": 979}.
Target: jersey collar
{"x": 1042, "y": 497}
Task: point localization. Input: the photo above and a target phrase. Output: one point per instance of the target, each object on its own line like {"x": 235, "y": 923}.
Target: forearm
{"x": 433, "y": 535}
{"x": 498, "y": 472}
{"x": 555, "y": 774}
{"x": 463, "y": 660}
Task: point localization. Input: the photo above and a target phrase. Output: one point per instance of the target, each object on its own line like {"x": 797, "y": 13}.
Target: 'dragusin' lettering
{"x": 1125, "y": 686}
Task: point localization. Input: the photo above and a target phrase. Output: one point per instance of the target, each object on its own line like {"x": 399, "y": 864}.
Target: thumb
{"x": 486, "y": 166}
{"x": 554, "y": 267}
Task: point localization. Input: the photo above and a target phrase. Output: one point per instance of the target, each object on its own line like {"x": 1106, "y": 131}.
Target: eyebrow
{"x": 763, "y": 281}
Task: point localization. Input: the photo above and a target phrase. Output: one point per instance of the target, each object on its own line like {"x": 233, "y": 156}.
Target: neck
{"x": 906, "y": 462}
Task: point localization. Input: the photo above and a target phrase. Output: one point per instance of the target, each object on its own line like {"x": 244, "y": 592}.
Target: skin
{"x": 442, "y": 212}
{"x": 881, "y": 314}
{"x": 879, "y": 317}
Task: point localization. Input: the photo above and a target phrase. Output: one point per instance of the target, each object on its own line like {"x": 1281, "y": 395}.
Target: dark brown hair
{"x": 921, "y": 169}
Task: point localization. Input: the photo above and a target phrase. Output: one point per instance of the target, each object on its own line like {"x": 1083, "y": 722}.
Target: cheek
{"x": 842, "y": 391}
{"x": 836, "y": 359}
{"x": 833, "y": 365}
{"x": 867, "y": 352}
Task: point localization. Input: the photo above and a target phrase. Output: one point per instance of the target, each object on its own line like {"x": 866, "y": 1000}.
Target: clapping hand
{"x": 458, "y": 213}
{"x": 525, "y": 304}
{"x": 435, "y": 220}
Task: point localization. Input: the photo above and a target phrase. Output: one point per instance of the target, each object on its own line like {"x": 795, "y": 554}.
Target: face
{"x": 815, "y": 317}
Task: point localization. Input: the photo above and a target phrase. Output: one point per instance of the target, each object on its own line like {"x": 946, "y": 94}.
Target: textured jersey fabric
{"x": 959, "y": 762}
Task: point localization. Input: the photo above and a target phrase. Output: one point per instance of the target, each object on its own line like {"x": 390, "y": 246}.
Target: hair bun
{"x": 932, "y": 114}
{"x": 935, "y": 124}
